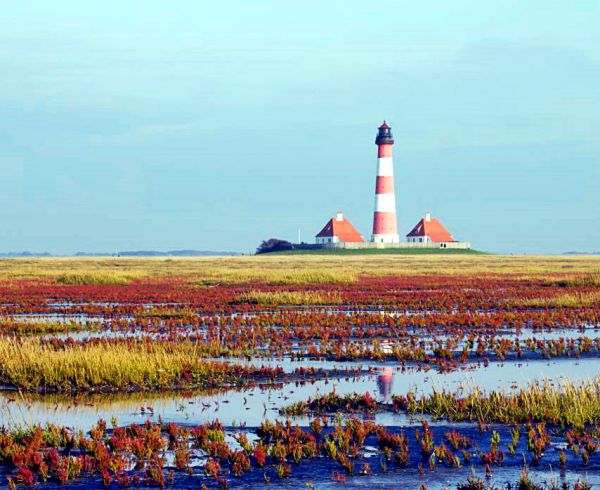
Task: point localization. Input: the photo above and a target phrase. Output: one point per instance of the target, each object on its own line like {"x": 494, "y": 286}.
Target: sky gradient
{"x": 213, "y": 125}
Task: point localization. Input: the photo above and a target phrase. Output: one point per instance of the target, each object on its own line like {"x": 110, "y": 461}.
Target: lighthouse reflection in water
{"x": 384, "y": 382}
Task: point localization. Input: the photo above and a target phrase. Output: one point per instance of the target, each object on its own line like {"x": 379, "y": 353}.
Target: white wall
{"x": 460, "y": 245}
{"x": 323, "y": 240}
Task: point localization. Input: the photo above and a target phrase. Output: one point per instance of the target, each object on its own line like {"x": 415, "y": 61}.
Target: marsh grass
{"x": 28, "y": 364}
{"x": 312, "y": 277}
{"x": 567, "y": 404}
{"x": 291, "y": 297}
{"x": 304, "y": 269}
{"x": 276, "y": 277}
{"x": 11, "y": 326}
{"x": 568, "y": 300}
{"x": 93, "y": 278}
{"x": 585, "y": 280}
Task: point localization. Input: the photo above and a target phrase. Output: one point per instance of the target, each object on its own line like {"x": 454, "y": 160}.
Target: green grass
{"x": 381, "y": 251}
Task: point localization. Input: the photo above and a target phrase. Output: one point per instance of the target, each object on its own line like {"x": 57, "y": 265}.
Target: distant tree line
{"x": 279, "y": 245}
{"x": 274, "y": 245}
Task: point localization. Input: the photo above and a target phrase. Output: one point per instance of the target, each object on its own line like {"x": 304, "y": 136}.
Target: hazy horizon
{"x": 154, "y": 126}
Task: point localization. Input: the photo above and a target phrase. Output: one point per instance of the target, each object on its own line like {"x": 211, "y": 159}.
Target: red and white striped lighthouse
{"x": 384, "y": 219}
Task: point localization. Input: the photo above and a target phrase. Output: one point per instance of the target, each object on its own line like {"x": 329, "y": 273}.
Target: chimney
{"x": 427, "y": 216}
{"x": 339, "y": 216}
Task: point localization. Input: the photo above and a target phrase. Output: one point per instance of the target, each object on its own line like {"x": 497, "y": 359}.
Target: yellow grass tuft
{"x": 574, "y": 300}
{"x": 585, "y": 280}
{"x": 93, "y": 278}
{"x": 28, "y": 364}
{"x": 291, "y": 297}
{"x": 567, "y": 403}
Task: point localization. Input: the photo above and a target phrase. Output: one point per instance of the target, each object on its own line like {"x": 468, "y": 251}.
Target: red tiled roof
{"x": 342, "y": 229}
{"x": 433, "y": 229}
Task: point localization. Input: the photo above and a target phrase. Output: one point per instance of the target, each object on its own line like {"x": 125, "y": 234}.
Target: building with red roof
{"x": 429, "y": 230}
{"x": 339, "y": 230}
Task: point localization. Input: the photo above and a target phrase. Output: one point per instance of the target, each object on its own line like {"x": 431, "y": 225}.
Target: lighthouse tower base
{"x": 387, "y": 238}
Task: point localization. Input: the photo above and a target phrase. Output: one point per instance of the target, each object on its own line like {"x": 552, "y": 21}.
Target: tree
{"x": 274, "y": 245}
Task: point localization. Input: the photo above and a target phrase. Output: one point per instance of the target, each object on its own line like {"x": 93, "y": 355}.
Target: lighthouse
{"x": 384, "y": 218}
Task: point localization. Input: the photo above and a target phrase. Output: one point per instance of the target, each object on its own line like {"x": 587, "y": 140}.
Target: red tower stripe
{"x": 384, "y": 223}
{"x": 384, "y": 151}
{"x": 384, "y": 185}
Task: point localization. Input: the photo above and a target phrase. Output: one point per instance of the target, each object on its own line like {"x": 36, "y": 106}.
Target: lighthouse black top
{"x": 385, "y": 136}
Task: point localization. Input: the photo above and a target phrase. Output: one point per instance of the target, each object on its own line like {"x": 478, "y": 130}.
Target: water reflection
{"x": 384, "y": 383}
{"x": 251, "y": 406}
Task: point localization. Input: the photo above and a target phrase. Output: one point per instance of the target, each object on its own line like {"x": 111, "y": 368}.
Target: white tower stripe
{"x": 385, "y": 167}
{"x": 385, "y": 203}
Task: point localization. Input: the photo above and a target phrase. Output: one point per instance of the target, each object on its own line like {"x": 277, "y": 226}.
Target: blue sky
{"x": 212, "y": 125}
